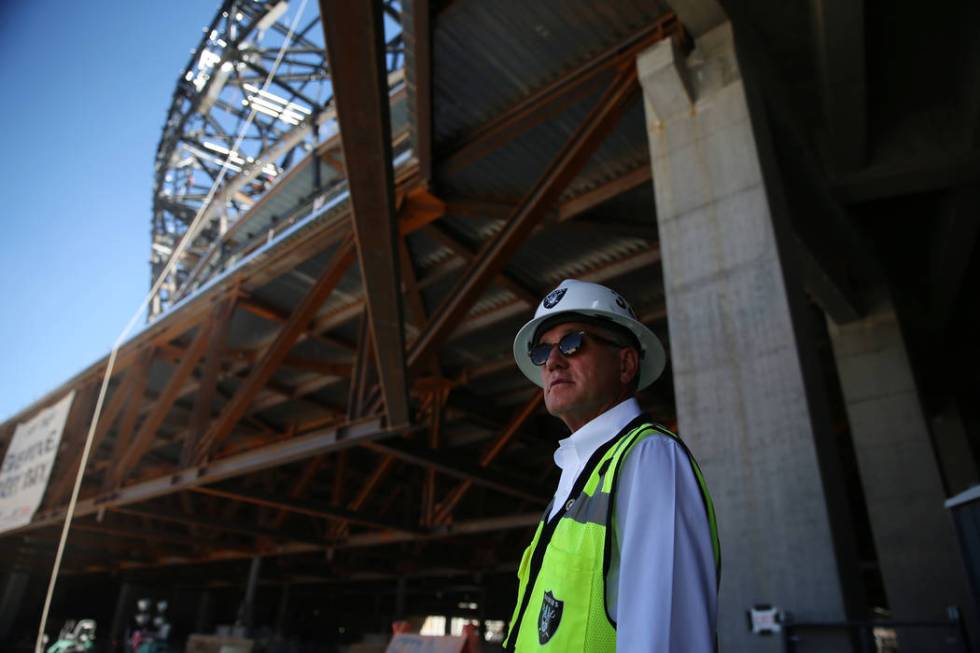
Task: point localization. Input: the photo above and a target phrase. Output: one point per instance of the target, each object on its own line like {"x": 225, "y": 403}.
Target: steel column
{"x": 118, "y": 625}
{"x": 354, "y": 35}
{"x": 418, "y": 77}
{"x": 248, "y": 602}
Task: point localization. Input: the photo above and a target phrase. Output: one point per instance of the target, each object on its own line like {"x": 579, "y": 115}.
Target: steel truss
{"x": 225, "y": 436}
{"x": 224, "y": 81}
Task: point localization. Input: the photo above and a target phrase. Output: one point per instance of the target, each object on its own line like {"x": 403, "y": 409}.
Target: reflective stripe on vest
{"x": 561, "y": 596}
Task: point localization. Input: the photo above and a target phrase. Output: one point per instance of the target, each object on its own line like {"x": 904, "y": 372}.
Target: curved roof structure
{"x": 252, "y": 104}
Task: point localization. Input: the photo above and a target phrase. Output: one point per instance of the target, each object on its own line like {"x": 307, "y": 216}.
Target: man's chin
{"x": 556, "y": 406}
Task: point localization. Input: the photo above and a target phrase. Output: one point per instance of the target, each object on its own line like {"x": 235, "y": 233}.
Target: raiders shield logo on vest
{"x": 549, "y": 618}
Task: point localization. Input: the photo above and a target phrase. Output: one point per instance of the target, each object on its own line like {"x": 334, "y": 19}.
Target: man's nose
{"x": 555, "y": 358}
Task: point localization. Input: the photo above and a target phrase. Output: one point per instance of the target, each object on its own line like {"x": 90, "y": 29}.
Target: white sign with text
{"x": 27, "y": 465}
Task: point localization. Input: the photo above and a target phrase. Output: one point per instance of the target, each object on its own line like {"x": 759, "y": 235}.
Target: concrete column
{"x": 117, "y": 629}
{"x": 247, "y": 607}
{"x": 956, "y": 457}
{"x": 400, "y": 589}
{"x": 283, "y": 614}
{"x": 205, "y": 610}
{"x": 14, "y": 586}
{"x": 914, "y": 535}
{"x": 745, "y": 404}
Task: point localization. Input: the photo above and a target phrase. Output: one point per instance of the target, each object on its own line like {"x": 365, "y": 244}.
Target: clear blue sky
{"x": 85, "y": 90}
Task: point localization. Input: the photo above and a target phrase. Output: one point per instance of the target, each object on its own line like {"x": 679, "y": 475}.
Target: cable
{"x": 185, "y": 241}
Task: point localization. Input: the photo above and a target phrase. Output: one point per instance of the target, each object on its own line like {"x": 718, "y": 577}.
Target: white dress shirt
{"x": 667, "y": 602}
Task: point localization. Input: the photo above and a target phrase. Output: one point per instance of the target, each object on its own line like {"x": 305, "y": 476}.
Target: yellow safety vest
{"x": 561, "y": 595}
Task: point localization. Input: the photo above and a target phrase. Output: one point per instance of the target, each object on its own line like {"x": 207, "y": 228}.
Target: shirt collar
{"x": 580, "y": 445}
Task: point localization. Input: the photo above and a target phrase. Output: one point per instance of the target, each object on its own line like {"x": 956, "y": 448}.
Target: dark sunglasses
{"x": 569, "y": 345}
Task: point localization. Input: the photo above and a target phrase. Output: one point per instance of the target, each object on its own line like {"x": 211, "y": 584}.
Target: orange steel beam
{"x": 227, "y": 525}
{"x": 361, "y": 370}
{"x": 415, "y": 301}
{"x": 599, "y": 275}
{"x": 339, "y": 476}
{"x": 568, "y": 209}
{"x": 358, "y": 540}
{"x": 453, "y": 466}
{"x": 378, "y": 475}
{"x": 435, "y": 438}
{"x": 492, "y": 258}
{"x": 153, "y": 421}
{"x": 447, "y": 506}
{"x": 117, "y": 401}
{"x": 273, "y": 314}
{"x": 218, "y": 326}
{"x": 607, "y": 191}
{"x": 354, "y": 34}
{"x": 133, "y": 408}
{"x": 523, "y": 292}
{"x": 301, "y": 486}
{"x": 603, "y": 273}
{"x": 113, "y": 409}
{"x": 419, "y": 208}
{"x": 236, "y": 408}
{"x": 416, "y": 306}
{"x": 140, "y": 533}
{"x": 317, "y": 509}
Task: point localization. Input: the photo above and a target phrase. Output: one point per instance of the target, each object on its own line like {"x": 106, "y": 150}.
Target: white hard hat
{"x": 593, "y": 301}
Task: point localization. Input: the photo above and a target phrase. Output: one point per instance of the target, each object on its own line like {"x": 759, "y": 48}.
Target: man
{"x": 626, "y": 556}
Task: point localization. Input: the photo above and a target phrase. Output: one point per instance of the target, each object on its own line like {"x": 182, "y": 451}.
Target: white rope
{"x": 185, "y": 241}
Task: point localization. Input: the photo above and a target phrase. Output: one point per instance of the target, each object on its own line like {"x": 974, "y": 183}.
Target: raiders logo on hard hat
{"x": 554, "y": 297}
{"x": 549, "y": 617}
{"x": 622, "y": 303}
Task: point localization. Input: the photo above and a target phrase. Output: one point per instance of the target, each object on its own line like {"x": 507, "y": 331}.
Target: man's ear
{"x": 629, "y": 365}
